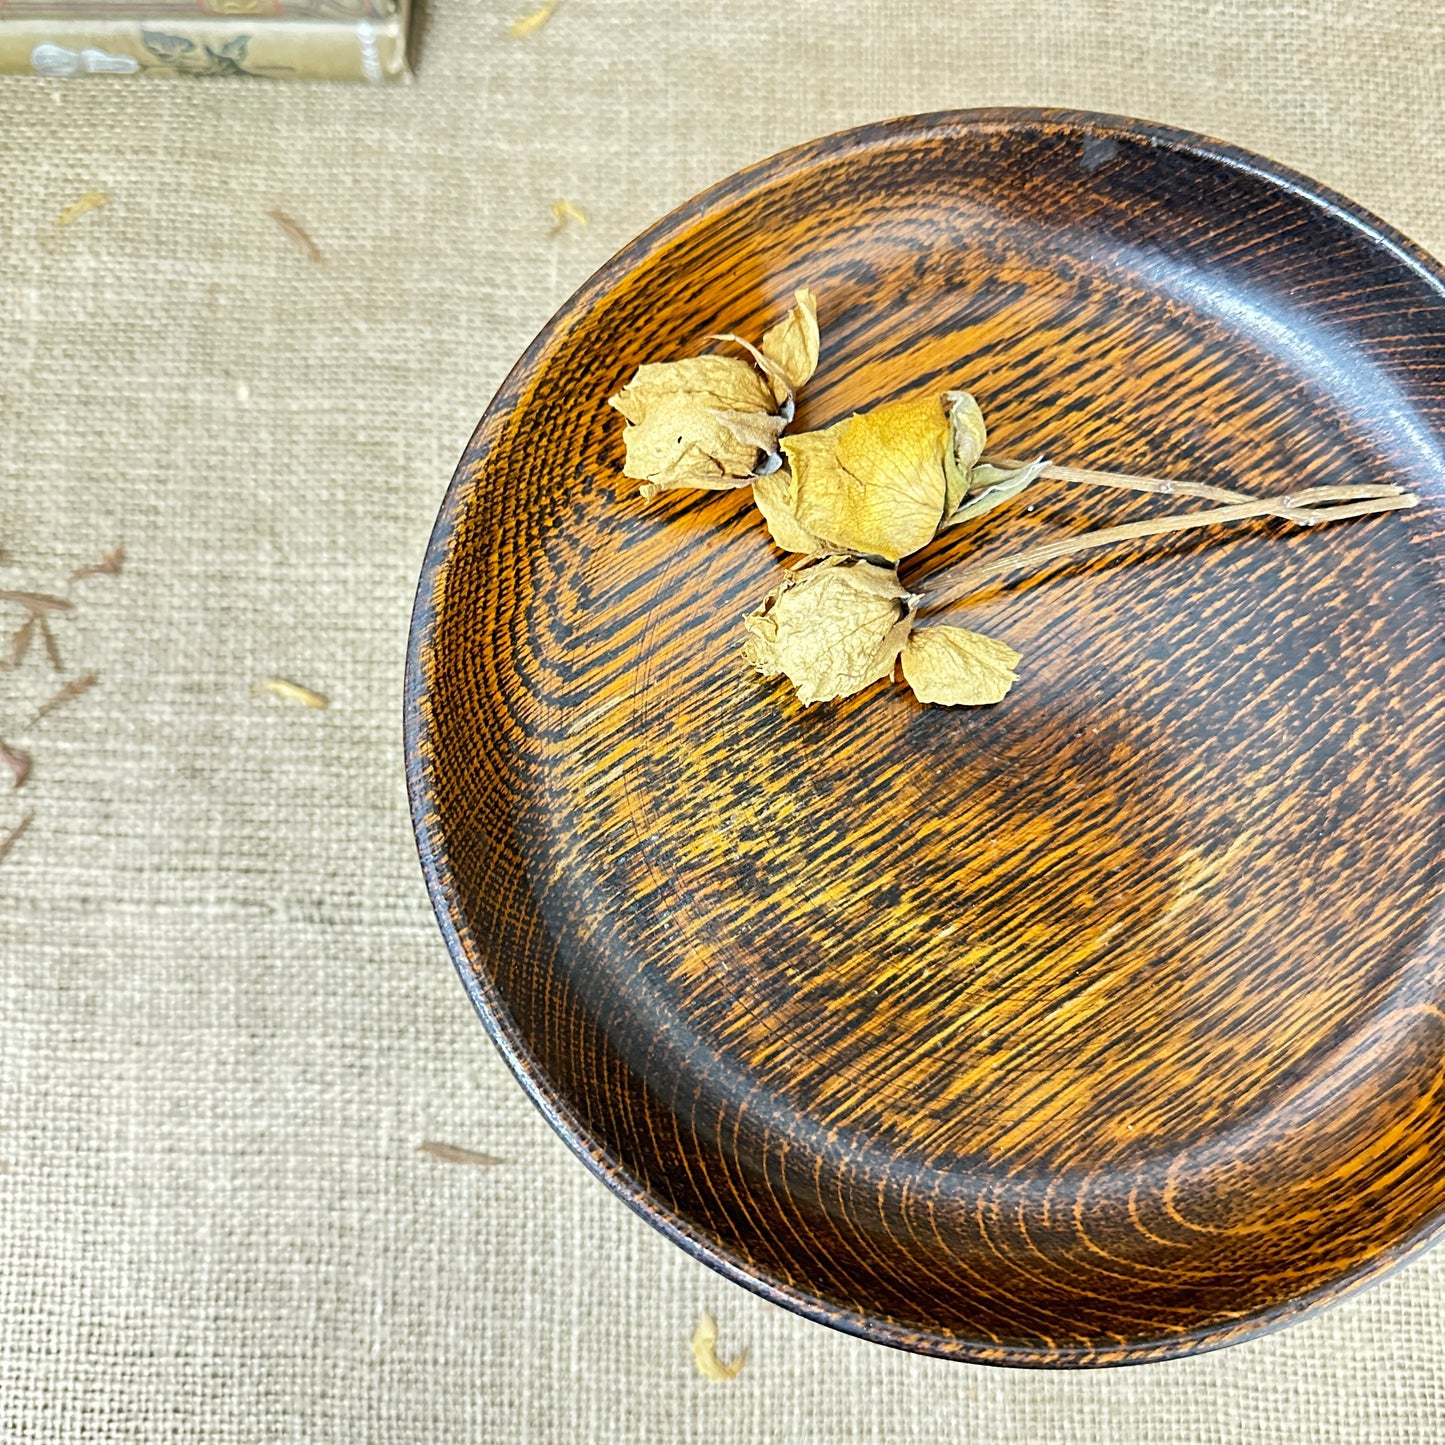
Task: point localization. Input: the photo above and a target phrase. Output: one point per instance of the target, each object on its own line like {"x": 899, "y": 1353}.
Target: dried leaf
{"x": 792, "y": 345}
{"x": 774, "y": 497}
{"x": 704, "y": 1352}
{"x": 967, "y": 435}
{"x": 108, "y": 566}
{"x": 290, "y": 692}
{"x": 452, "y": 1154}
{"x": 530, "y": 24}
{"x": 18, "y": 762}
{"x": 564, "y": 212}
{"x": 676, "y": 437}
{"x": 990, "y": 487}
{"x": 831, "y": 629}
{"x": 15, "y": 835}
{"x": 954, "y": 666}
{"x": 874, "y": 484}
{"x": 90, "y": 201}
{"x": 72, "y": 690}
{"x": 297, "y": 234}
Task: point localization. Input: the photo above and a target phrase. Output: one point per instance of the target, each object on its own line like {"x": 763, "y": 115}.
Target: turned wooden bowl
{"x": 1102, "y": 1025}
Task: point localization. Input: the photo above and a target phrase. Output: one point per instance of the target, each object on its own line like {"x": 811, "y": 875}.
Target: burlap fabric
{"x": 226, "y": 1017}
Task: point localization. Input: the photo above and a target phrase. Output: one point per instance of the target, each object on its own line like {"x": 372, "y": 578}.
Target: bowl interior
{"x": 1102, "y": 1024}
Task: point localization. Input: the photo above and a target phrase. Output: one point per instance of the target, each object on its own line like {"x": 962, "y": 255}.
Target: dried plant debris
{"x": 452, "y": 1154}
{"x": 297, "y": 234}
{"x": 18, "y": 761}
{"x": 90, "y": 201}
{"x": 567, "y": 213}
{"x": 858, "y": 498}
{"x": 73, "y": 689}
{"x": 705, "y": 1356}
{"x": 289, "y": 691}
{"x": 10, "y": 839}
{"x": 533, "y": 21}
{"x": 108, "y": 566}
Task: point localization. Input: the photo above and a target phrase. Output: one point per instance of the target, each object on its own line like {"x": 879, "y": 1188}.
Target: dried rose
{"x": 873, "y": 485}
{"x": 685, "y": 421}
{"x": 831, "y": 629}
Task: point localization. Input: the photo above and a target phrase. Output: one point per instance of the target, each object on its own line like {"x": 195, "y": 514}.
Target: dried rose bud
{"x": 831, "y": 629}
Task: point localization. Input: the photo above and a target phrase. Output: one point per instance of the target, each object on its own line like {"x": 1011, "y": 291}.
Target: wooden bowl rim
{"x": 431, "y": 844}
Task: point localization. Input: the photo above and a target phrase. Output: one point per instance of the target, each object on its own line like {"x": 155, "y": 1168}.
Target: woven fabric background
{"x": 227, "y": 1020}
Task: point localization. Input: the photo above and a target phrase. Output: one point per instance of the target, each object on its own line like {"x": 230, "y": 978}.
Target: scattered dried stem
{"x": 296, "y": 233}
{"x": 14, "y": 836}
{"x": 52, "y": 648}
{"x": 453, "y": 1154}
{"x": 72, "y": 690}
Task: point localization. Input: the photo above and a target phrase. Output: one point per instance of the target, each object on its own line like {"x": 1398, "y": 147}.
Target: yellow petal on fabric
{"x": 967, "y": 438}
{"x": 831, "y": 629}
{"x": 705, "y": 1356}
{"x": 792, "y": 345}
{"x": 954, "y": 666}
{"x": 774, "y": 497}
{"x": 874, "y": 484}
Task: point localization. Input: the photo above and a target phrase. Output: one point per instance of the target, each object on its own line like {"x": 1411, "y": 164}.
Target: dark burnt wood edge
{"x": 431, "y": 850}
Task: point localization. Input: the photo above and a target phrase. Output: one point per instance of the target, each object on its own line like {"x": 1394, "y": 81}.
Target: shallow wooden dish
{"x": 1104, "y": 1025}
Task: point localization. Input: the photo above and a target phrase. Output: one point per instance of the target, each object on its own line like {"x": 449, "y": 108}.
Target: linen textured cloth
{"x": 227, "y": 1020}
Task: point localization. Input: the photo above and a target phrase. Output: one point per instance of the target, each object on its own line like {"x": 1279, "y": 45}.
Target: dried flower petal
{"x": 704, "y": 1352}
{"x": 565, "y": 213}
{"x": 990, "y": 487}
{"x": 832, "y": 629}
{"x": 874, "y": 484}
{"x": 792, "y": 345}
{"x": 967, "y": 435}
{"x": 774, "y": 497}
{"x": 90, "y": 201}
{"x": 289, "y": 691}
{"x": 952, "y": 665}
{"x": 531, "y": 23}
{"x": 676, "y": 437}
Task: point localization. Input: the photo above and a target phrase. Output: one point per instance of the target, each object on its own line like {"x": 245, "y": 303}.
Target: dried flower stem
{"x": 1287, "y": 507}
{"x": 963, "y": 580}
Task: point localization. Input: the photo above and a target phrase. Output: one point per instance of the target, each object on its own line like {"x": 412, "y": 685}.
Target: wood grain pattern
{"x": 1104, "y": 1025}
